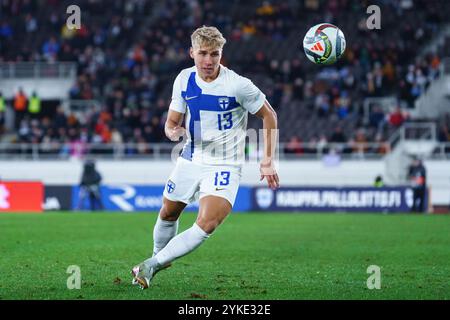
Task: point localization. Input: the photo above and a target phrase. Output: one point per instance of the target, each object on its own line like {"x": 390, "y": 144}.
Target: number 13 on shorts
{"x": 222, "y": 178}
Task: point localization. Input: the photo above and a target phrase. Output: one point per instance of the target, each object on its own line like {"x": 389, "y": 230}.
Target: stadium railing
{"x": 155, "y": 151}
{"x": 442, "y": 151}
{"x": 387, "y": 104}
{"x": 81, "y": 108}
{"x": 445, "y": 66}
{"x": 38, "y": 70}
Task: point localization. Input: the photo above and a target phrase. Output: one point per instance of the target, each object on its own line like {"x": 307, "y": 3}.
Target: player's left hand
{"x": 267, "y": 170}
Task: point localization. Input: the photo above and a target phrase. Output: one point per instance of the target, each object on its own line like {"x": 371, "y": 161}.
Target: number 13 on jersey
{"x": 225, "y": 120}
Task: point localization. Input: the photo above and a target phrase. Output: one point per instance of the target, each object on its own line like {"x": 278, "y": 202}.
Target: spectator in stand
{"x": 60, "y": 119}
{"x": 360, "y": 142}
{"x": 378, "y": 183}
{"x": 311, "y": 146}
{"x": 343, "y": 105}
{"x": 266, "y": 9}
{"x": 381, "y": 147}
{"x": 50, "y": 49}
{"x": 116, "y": 136}
{"x": 106, "y": 134}
{"x": 417, "y": 175}
{"x": 157, "y": 129}
{"x": 378, "y": 80}
{"x": 322, "y": 144}
{"x": 397, "y": 117}
{"x": 24, "y": 131}
{"x": 31, "y": 25}
{"x": 338, "y": 136}
{"x": 78, "y": 147}
{"x": 294, "y": 146}
{"x": 2, "y": 112}
{"x": 34, "y": 106}
{"x": 377, "y": 118}
{"x": 6, "y": 31}
{"x": 132, "y": 71}
{"x": 444, "y": 135}
{"x": 20, "y": 107}
{"x": 322, "y": 105}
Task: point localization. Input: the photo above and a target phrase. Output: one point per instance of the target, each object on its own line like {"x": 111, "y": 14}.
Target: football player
{"x": 214, "y": 101}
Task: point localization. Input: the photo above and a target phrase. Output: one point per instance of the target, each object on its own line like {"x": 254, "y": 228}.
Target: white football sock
{"x": 179, "y": 246}
{"x": 162, "y": 233}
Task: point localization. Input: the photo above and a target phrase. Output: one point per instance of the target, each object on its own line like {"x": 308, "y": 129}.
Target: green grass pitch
{"x": 250, "y": 256}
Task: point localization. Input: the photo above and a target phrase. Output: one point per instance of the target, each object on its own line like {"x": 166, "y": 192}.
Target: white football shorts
{"x": 191, "y": 181}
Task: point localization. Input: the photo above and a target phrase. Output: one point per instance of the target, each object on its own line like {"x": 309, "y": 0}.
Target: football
{"x": 324, "y": 43}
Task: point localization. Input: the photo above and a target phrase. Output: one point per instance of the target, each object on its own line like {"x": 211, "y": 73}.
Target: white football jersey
{"x": 216, "y": 115}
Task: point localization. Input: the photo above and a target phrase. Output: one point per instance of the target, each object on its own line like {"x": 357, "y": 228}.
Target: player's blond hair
{"x": 209, "y": 37}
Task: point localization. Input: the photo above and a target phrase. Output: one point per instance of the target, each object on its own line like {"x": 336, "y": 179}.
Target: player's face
{"x": 207, "y": 61}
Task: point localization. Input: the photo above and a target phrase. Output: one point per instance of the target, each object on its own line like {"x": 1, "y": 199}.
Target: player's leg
{"x": 180, "y": 190}
{"x": 218, "y": 190}
{"x": 166, "y": 226}
{"x": 81, "y": 198}
{"x": 422, "y": 200}
{"x": 92, "y": 200}
{"x": 212, "y": 212}
{"x": 97, "y": 198}
{"x": 165, "y": 229}
{"x": 415, "y": 200}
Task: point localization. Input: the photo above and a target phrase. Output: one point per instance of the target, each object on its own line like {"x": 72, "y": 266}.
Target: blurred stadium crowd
{"x": 129, "y": 52}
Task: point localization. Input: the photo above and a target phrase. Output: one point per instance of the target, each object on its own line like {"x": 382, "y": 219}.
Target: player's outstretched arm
{"x": 270, "y": 127}
{"x": 172, "y": 127}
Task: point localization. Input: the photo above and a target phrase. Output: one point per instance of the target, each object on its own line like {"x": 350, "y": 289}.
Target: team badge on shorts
{"x": 170, "y": 186}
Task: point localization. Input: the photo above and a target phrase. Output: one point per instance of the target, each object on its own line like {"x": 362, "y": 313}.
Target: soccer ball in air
{"x": 324, "y": 43}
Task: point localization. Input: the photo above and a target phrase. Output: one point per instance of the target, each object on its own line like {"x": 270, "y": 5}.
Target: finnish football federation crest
{"x": 264, "y": 198}
{"x": 224, "y": 102}
{"x": 170, "y": 186}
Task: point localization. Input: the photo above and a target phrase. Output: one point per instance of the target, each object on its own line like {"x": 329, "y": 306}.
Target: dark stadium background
{"x": 127, "y": 54}
{"x": 104, "y": 90}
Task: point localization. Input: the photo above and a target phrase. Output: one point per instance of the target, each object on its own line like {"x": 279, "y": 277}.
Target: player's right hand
{"x": 175, "y": 133}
